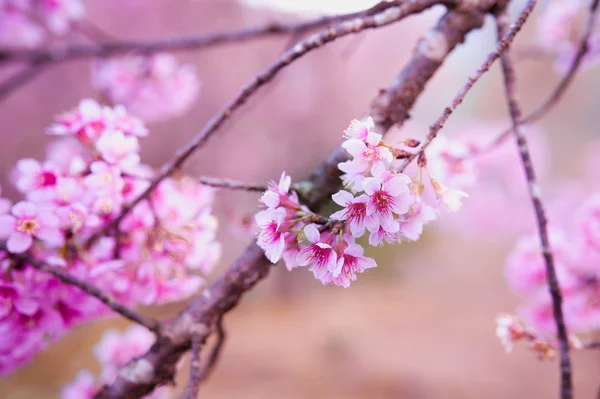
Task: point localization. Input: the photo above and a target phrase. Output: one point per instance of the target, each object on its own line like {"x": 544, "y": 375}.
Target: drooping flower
{"x": 321, "y": 257}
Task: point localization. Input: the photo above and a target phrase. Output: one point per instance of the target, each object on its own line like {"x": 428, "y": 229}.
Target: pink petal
{"x": 304, "y": 257}
{"x": 284, "y": 183}
{"x": 374, "y": 138}
{"x": 371, "y": 185}
{"x": 48, "y": 220}
{"x": 24, "y": 209}
{"x": 7, "y": 225}
{"x": 312, "y": 233}
{"x": 342, "y": 197}
{"x": 19, "y": 242}
{"x": 355, "y": 147}
{"x": 28, "y": 166}
{"x": 275, "y": 251}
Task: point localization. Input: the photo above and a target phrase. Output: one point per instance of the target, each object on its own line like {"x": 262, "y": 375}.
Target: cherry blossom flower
{"x": 118, "y": 149}
{"x": 26, "y": 223}
{"x": 152, "y": 87}
{"x": 351, "y": 262}
{"x": 320, "y": 255}
{"x": 271, "y": 237}
{"x": 354, "y": 212}
{"x": 83, "y": 387}
{"x": 37, "y": 180}
{"x": 387, "y": 196}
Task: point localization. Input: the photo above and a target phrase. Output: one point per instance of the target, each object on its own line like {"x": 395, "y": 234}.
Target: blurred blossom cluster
{"x": 114, "y": 351}
{"x": 153, "y": 87}
{"x": 28, "y": 22}
{"x": 158, "y": 254}
{"x": 379, "y": 199}
{"x": 560, "y": 30}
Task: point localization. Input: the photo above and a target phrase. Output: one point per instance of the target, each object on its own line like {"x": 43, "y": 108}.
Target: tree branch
{"x": 200, "y": 315}
{"x": 88, "y": 288}
{"x": 559, "y": 90}
{"x": 315, "y": 41}
{"x": 503, "y": 44}
{"x": 540, "y": 213}
{"x": 188, "y": 43}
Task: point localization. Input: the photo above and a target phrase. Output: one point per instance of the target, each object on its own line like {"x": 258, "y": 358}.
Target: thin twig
{"x": 508, "y": 69}
{"x": 195, "y": 368}
{"x": 230, "y": 184}
{"x": 391, "y": 106}
{"x": 313, "y": 42}
{"x": 216, "y": 351}
{"x": 559, "y": 90}
{"x": 501, "y": 47}
{"x": 88, "y": 288}
{"x": 189, "y": 43}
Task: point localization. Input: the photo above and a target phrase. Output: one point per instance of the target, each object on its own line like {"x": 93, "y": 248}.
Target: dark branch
{"x": 88, "y": 288}
{"x": 22, "y": 77}
{"x": 540, "y": 214}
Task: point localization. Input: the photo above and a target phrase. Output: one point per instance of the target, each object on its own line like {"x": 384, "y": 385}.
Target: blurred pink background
{"x": 419, "y": 326}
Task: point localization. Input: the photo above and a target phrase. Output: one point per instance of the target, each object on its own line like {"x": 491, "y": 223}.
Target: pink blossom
{"x": 27, "y": 223}
{"x": 59, "y": 14}
{"x": 277, "y": 194}
{"x": 36, "y": 180}
{"x": 387, "y": 196}
{"x": 271, "y": 237}
{"x": 153, "y": 87}
{"x": 320, "y": 255}
{"x": 83, "y": 387}
{"x": 359, "y": 130}
{"x": 351, "y": 262}
{"x": 368, "y": 153}
{"x": 451, "y": 199}
{"x": 354, "y": 212}
{"x": 17, "y": 28}
{"x": 418, "y": 215}
{"x": 86, "y": 122}
{"x": 118, "y": 149}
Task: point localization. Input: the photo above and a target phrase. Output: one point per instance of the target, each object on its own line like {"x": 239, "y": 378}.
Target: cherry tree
{"x": 98, "y": 233}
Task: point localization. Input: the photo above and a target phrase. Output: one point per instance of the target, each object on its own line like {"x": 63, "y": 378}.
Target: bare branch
{"x": 540, "y": 213}
{"x": 195, "y": 368}
{"x": 502, "y": 46}
{"x": 251, "y": 267}
{"x": 189, "y": 43}
{"x": 88, "y": 288}
{"x": 559, "y": 90}
{"x": 231, "y": 184}
{"x": 313, "y": 42}
{"x": 215, "y": 353}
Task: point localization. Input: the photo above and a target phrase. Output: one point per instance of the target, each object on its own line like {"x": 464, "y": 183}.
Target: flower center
{"x": 47, "y": 179}
{"x": 29, "y": 226}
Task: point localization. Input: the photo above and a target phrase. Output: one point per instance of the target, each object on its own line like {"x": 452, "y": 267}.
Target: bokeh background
{"x": 419, "y": 326}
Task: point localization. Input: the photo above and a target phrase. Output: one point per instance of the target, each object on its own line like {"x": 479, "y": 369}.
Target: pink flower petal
{"x": 19, "y": 242}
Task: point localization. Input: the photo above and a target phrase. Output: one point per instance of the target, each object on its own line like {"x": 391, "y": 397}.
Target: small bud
{"x": 401, "y": 154}
{"x": 412, "y": 143}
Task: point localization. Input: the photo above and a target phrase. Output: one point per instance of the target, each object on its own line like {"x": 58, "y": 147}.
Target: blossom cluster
{"x": 26, "y": 22}
{"x": 153, "y": 87}
{"x": 114, "y": 351}
{"x": 561, "y": 29}
{"x": 576, "y": 252}
{"x": 159, "y": 252}
{"x": 379, "y": 199}
{"x": 510, "y": 330}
